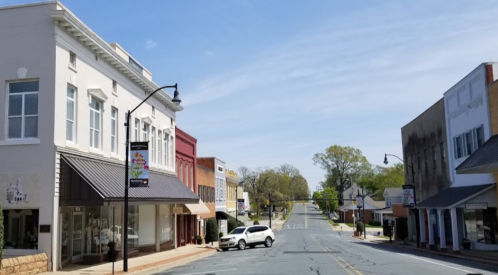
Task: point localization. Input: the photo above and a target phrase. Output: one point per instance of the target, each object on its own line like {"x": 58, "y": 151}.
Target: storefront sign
{"x": 476, "y": 206}
{"x": 408, "y": 198}
{"x": 139, "y": 166}
{"x": 177, "y": 210}
{"x": 20, "y": 190}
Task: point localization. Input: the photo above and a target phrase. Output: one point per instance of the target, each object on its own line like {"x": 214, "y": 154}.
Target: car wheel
{"x": 242, "y": 245}
{"x": 224, "y": 249}
{"x": 268, "y": 242}
{"x": 252, "y": 246}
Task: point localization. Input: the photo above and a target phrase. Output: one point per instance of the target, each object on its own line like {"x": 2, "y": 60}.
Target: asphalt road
{"x": 307, "y": 245}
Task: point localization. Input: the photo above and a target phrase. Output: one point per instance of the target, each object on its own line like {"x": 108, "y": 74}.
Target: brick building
{"x": 205, "y": 184}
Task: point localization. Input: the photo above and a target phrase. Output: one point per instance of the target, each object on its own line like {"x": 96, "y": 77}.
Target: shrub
{"x": 231, "y": 224}
{"x": 211, "y": 231}
{"x": 360, "y": 227}
{"x": 256, "y": 222}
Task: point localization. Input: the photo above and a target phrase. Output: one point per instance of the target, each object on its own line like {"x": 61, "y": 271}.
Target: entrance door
{"x": 77, "y": 248}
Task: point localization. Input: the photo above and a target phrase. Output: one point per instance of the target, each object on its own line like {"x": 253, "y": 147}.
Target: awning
{"x": 196, "y": 209}
{"x": 483, "y": 160}
{"x": 454, "y": 196}
{"x": 86, "y": 181}
{"x": 220, "y": 215}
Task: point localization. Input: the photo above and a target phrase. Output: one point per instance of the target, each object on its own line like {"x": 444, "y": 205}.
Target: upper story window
{"x": 23, "y": 110}
{"x": 95, "y": 123}
{"x": 171, "y": 151}
{"x": 153, "y": 143}
{"x": 137, "y": 126}
{"x": 135, "y": 65}
{"x": 153, "y": 111}
{"x": 159, "y": 147}
{"x": 166, "y": 150}
{"x": 479, "y": 136}
{"x": 458, "y": 147}
{"x": 145, "y": 132}
{"x": 220, "y": 168}
{"x": 72, "y": 59}
{"x": 114, "y": 87}
{"x": 71, "y": 114}
{"x": 469, "y": 143}
{"x": 114, "y": 130}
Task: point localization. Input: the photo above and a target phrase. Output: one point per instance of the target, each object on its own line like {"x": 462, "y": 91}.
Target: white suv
{"x": 250, "y": 236}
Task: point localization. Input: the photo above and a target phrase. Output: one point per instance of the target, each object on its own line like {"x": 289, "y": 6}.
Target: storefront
{"x": 92, "y": 212}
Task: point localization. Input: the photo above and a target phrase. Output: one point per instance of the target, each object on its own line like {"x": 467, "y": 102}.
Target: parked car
{"x": 244, "y": 236}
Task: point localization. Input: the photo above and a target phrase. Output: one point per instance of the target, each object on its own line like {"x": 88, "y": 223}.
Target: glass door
{"x": 77, "y": 248}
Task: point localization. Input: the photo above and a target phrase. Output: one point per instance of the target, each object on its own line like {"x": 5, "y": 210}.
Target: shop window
{"x": 166, "y": 221}
{"x": 133, "y": 227}
{"x": 21, "y": 228}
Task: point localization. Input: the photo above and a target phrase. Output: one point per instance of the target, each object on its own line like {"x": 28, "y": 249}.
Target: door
{"x": 77, "y": 247}
{"x": 252, "y": 235}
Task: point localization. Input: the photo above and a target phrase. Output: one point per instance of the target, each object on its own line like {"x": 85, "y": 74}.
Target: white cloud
{"x": 150, "y": 44}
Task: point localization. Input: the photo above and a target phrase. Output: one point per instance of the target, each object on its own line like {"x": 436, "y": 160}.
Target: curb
{"x": 444, "y": 254}
{"x": 169, "y": 263}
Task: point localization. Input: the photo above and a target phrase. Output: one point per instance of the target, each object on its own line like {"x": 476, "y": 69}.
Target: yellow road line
{"x": 338, "y": 262}
{"x": 350, "y": 266}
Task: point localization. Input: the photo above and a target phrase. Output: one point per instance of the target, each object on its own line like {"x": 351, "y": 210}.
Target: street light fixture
{"x": 176, "y": 99}
{"x": 417, "y": 222}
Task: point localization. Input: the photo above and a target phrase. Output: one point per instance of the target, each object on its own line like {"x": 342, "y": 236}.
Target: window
{"x": 114, "y": 86}
{"x": 71, "y": 113}
{"x": 137, "y": 126}
{"x": 166, "y": 150}
{"x": 479, "y": 136}
{"x": 171, "y": 152}
{"x": 433, "y": 152}
{"x": 159, "y": 147}
{"x": 458, "y": 147}
{"x": 153, "y": 111}
{"x": 95, "y": 125}
{"x": 21, "y": 228}
{"x": 145, "y": 132}
{"x": 135, "y": 65}
{"x": 72, "y": 59}
{"x": 114, "y": 130}
{"x": 469, "y": 143}
{"x": 153, "y": 143}
{"x": 443, "y": 152}
{"x": 186, "y": 175}
{"x": 23, "y": 110}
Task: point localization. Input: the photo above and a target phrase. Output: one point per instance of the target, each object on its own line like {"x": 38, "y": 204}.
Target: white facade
{"x": 72, "y": 69}
{"x": 220, "y": 188}
{"x": 467, "y": 121}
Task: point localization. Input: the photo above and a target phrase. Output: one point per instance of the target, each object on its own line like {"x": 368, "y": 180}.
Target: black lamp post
{"x": 176, "y": 100}
{"x": 417, "y": 222}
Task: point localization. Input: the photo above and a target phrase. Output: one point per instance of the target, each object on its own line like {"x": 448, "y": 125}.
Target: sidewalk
{"x": 145, "y": 264}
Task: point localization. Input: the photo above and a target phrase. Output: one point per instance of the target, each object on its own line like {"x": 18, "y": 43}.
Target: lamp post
{"x": 237, "y": 198}
{"x": 176, "y": 99}
{"x": 417, "y": 221}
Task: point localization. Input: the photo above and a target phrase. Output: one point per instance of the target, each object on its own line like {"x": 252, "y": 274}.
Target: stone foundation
{"x": 25, "y": 265}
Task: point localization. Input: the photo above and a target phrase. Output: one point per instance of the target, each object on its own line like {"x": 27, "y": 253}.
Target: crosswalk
{"x": 294, "y": 226}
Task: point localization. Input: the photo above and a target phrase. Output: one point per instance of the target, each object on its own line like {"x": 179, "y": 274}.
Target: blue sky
{"x": 265, "y": 83}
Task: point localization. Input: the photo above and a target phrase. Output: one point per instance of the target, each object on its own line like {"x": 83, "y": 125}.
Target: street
{"x": 307, "y": 245}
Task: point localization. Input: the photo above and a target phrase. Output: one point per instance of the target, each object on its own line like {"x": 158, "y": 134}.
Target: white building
{"x": 65, "y": 94}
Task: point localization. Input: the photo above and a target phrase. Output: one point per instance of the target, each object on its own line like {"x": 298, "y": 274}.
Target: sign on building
{"x": 139, "y": 165}
{"x": 476, "y": 206}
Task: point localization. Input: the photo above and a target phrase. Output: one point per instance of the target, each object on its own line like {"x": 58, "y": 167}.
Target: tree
{"x": 211, "y": 230}
{"x": 383, "y": 177}
{"x": 342, "y": 164}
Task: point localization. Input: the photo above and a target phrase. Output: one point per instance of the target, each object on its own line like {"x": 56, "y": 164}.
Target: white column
{"x": 158, "y": 229}
{"x": 442, "y": 233}
{"x": 381, "y": 219}
{"x": 422, "y": 227}
{"x": 175, "y": 232}
{"x": 454, "y": 229}
{"x": 431, "y": 229}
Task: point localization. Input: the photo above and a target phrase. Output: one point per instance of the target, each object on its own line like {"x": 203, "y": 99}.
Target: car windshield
{"x": 239, "y": 230}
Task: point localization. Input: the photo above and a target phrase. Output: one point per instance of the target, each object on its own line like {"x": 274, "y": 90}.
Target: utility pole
{"x": 269, "y": 207}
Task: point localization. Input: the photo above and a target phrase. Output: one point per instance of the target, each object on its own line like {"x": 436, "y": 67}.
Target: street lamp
{"x": 176, "y": 99}
{"x": 417, "y": 222}
{"x": 237, "y": 199}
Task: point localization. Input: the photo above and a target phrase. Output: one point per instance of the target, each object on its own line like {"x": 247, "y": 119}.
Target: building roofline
{"x": 205, "y": 168}
{"x": 193, "y": 139}
{"x": 29, "y": 5}
{"x": 426, "y": 110}
{"x": 475, "y": 69}
{"x": 210, "y": 158}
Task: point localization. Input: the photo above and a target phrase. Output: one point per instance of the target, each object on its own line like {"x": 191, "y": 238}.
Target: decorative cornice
{"x": 73, "y": 26}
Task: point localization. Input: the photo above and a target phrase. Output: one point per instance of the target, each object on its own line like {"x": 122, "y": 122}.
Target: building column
{"x": 454, "y": 230}
{"x": 431, "y": 230}
{"x": 442, "y": 233}
{"x": 381, "y": 219}
{"x": 175, "y": 232}
{"x": 422, "y": 227}
{"x": 158, "y": 229}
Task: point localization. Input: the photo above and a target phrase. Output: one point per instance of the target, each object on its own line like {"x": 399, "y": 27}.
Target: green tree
{"x": 383, "y": 177}
{"x": 211, "y": 230}
{"x": 342, "y": 164}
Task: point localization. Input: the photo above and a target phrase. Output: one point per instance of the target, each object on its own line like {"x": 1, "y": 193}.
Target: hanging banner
{"x": 408, "y": 198}
{"x": 359, "y": 201}
{"x": 240, "y": 205}
{"x": 139, "y": 166}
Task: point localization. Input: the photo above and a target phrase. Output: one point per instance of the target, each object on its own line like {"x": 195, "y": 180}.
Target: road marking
{"x": 305, "y": 217}
{"x": 212, "y": 271}
{"x": 418, "y": 258}
{"x": 359, "y": 273}
{"x": 337, "y": 261}
{"x": 337, "y": 237}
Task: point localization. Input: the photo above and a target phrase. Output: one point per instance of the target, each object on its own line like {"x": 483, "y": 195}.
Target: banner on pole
{"x": 359, "y": 201}
{"x": 408, "y": 198}
{"x": 240, "y": 205}
{"x": 139, "y": 168}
